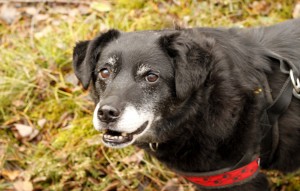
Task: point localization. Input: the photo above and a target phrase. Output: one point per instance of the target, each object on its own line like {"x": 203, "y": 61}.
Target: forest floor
{"x": 47, "y": 141}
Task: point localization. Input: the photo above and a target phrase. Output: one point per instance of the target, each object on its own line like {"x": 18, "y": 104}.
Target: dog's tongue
{"x": 116, "y": 137}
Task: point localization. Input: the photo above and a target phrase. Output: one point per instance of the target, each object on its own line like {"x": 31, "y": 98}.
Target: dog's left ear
{"x": 191, "y": 59}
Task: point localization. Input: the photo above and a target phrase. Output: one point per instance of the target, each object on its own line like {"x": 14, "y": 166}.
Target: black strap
{"x": 269, "y": 120}
{"x": 281, "y": 102}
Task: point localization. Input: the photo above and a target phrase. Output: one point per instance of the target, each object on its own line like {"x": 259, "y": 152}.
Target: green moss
{"x": 133, "y": 4}
{"x": 74, "y": 135}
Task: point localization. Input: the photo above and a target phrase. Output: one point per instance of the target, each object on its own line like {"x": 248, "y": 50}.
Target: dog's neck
{"x": 192, "y": 153}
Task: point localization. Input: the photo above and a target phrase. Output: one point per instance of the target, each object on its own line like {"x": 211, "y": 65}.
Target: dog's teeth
{"x": 115, "y": 137}
{"x": 110, "y": 137}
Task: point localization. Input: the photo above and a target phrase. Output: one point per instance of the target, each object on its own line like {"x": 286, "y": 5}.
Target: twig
{"x": 112, "y": 186}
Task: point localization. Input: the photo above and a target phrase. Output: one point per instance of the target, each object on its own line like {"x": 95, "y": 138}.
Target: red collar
{"x": 225, "y": 179}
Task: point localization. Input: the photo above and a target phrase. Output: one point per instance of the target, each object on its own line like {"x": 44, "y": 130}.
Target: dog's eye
{"x": 104, "y": 73}
{"x": 151, "y": 77}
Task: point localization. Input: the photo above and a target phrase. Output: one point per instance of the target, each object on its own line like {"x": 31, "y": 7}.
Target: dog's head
{"x": 139, "y": 79}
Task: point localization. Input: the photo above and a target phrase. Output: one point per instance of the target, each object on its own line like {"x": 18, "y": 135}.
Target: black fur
{"x": 210, "y": 111}
{"x": 84, "y": 66}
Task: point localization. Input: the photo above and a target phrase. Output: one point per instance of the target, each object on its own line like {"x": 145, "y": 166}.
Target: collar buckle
{"x": 153, "y": 146}
{"x": 296, "y": 84}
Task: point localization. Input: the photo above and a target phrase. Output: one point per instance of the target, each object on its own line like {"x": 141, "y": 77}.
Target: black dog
{"x": 210, "y": 103}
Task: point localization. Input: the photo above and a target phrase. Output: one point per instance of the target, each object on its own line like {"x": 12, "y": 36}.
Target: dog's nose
{"x": 108, "y": 113}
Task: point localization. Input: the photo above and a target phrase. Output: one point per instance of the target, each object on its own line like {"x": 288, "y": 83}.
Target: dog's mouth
{"x": 121, "y": 139}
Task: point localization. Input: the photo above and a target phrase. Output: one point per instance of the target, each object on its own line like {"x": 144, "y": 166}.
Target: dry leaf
{"x": 33, "y": 134}
{"x": 41, "y": 17}
{"x": 64, "y": 10}
{"x": 135, "y": 158}
{"x": 42, "y": 122}
{"x": 296, "y": 12}
{"x": 261, "y": 7}
{"x": 26, "y": 131}
{"x": 173, "y": 185}
{"x": 73, "y": 12}
{"x": 9, "y": 14}
{"x": 23, "y": 186}
{"x": 22, "y": 148}
{"x": 10, "y": 174}
{"x": 39, "y": 179}
{"x": 83, "y": 9}
{"x": 31, "y": 11}
{"x": 18, "y": 103}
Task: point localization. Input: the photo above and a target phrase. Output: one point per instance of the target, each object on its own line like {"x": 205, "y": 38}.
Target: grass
{"x": 36, "y": 90}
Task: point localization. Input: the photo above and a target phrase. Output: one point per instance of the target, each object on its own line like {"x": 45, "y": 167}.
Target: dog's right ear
{"x": 87, "y": 53}
{"x": 82, "y": 70}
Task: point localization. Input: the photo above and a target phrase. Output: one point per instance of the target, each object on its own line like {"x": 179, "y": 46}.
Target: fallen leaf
{"x": 10, "y": 174}
{"x": 9, "y": 14}
{"x": 26, "y": 131}
{"x": 33, "y": 134}
{"x": 73, "y": 12}
{"x": 42, "y": 122}
{"x": 23, "y": 186}
{"x": 22, "y": 148}
{"x": 83, "y": 9}
{"x": 18, "y": 103}
{"x": 31, "y": 11}
{"x": 135, "y": 158}
{"x": 172, "y": 185}
{"x": 41, "y": 17}
{"x": 296, "y": 12}
{"x": 64, "y": 10}
{"x": 39, "y": 179}
{"x": 261, "y": 7}
{"x": 101, "y": 6}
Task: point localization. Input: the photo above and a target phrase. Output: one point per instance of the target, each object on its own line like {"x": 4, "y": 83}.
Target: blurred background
{"x": 47, "y": 141}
